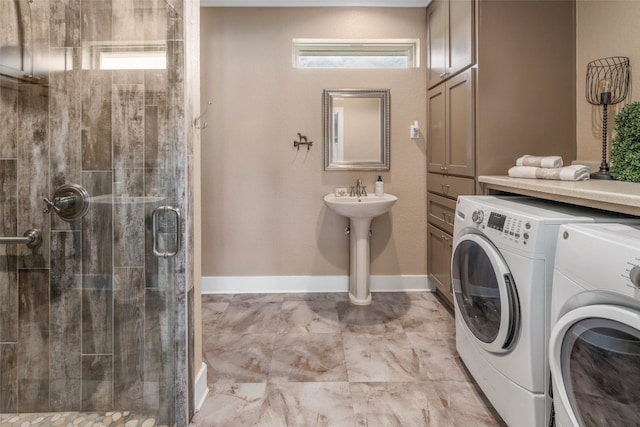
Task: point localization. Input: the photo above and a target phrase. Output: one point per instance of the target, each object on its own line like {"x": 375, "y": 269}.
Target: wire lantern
{"x": 607, "y": 83}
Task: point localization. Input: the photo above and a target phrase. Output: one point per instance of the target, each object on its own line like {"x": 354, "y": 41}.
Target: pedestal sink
{"x": 360, "y": 211}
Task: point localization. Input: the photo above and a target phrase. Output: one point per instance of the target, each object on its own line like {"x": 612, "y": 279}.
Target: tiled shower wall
{"x": 91, "y": 320}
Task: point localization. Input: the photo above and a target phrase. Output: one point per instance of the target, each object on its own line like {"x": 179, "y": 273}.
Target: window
{"x": 331, "y": 53}
{"x": 125, "y": 55}
{"x": 136, "y": 60}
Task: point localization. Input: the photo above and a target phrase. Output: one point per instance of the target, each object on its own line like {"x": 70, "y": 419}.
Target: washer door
{"x": 485, "y": 293}
{"x": 595, "y": 365}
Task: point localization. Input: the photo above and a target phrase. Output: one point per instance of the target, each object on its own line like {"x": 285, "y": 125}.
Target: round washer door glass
{"x": 600, "y": 364}
{"x": 485, "y": 292}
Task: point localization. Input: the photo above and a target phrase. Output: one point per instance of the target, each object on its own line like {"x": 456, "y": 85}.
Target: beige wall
{"x": 604, "y": 28}
{"x": 263, "y": 212}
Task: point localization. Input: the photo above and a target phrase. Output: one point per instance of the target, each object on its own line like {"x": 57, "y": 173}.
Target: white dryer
{"x": 594, "y": 346}
{"x": 502, "y": 269}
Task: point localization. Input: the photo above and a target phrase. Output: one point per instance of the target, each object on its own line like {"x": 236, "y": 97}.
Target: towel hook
{"x": 302, "y": 141}
{"x": 198, "y": 123}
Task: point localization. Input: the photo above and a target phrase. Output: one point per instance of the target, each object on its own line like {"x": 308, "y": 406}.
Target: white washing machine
{"x": 594, "y": 348}
{"x": 502, "y": 269}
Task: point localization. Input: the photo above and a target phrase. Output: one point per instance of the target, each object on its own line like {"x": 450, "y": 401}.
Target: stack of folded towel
{"x": 548, "y": 167}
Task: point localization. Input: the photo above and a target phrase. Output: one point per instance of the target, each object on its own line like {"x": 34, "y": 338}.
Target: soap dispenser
{"x": 379, "y": 187}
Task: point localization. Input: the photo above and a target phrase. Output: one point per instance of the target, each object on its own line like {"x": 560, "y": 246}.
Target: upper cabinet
{"x": 450, "y": 38}
{"x": 450, "y": 130}
{"x": 506, "y": 60}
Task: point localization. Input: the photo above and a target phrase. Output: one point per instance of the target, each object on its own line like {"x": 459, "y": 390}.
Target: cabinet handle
{"x": 445, "y": 168}
{"x": 442, "y": 75}
{"x": 445, "y": 188}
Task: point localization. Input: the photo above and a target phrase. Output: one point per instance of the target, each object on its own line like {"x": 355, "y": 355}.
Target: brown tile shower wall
{"x": 85, "y": 317}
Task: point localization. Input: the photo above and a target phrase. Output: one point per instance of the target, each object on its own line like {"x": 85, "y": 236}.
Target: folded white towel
{"x": 523, "y": 172}
{"x": 566, "y": 173}
{"x": 540, "y": 161}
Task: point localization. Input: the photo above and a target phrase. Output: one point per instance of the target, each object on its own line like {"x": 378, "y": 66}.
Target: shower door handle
{"x": 154, "y": 226}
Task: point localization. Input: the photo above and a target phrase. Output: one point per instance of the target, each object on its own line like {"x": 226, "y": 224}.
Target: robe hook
{"x": 198, "y": 123}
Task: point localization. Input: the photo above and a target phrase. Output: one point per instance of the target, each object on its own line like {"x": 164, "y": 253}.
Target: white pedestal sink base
{"x": 360, "y": 210}
{"x": 359, "y": 289}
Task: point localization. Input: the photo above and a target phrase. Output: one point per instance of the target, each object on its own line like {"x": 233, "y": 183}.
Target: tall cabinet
{"x": 501, "y": 83}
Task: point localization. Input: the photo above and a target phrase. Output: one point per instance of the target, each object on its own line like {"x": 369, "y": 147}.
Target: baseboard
{"x": 309, "y": 284}
{"x": 200, "y": 388}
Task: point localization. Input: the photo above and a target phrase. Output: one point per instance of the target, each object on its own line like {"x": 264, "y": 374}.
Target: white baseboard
{"x": 309, "y": 284}
{"x": 200, "y": 388}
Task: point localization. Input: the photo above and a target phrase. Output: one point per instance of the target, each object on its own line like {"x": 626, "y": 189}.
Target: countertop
{"x": 616, "y": 196}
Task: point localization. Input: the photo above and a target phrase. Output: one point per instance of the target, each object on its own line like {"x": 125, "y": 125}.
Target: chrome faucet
{"x": 358, "y": 190}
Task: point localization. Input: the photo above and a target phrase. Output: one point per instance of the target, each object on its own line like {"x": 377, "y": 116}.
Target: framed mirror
{"x": 356, "y": 129}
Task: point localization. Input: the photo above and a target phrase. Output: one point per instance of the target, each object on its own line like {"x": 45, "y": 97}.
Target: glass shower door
{"x": 88, "y": 317}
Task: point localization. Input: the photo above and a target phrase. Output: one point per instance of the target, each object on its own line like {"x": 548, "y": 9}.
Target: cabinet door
{"x": 450, "y": 38}
{"x": 460, "y": 127}
{"x": 439, "y": 248}
{"x": 437, "y": 16}
{"x": 460, "y": 36}
{"x": 436, "y": 129}
{"x": 441, "y": 211}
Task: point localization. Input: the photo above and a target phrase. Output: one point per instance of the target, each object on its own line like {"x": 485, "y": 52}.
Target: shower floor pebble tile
{"x": 78, "y": 419}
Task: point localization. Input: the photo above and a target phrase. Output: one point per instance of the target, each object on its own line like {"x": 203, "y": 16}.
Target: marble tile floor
{"x": 316, "y": 360}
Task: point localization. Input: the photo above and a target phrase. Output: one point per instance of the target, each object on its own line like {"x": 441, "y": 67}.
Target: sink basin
{"x": 369, "y": 206}
{"x": 360, "y": 211}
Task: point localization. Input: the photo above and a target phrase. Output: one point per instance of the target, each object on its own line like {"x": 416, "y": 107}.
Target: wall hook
{"x": 302, "y": 141}
{"x": 198, "y": 123}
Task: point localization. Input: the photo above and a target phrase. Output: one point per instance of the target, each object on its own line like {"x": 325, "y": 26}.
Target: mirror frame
{"x": 327, "y": 103}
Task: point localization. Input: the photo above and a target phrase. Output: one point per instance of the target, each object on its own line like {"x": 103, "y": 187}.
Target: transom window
{"x": 356, "y": 53}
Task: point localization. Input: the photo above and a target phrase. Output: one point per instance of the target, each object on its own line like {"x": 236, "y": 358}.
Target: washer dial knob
{"x": 477, "y": 216}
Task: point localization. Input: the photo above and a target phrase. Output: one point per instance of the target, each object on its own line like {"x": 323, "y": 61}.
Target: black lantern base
{"x": 601, "y": 174}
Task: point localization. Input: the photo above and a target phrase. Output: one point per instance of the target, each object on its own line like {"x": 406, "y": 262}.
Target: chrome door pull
{"x": 154, "y": 227}
{"x": 31, "y": 238}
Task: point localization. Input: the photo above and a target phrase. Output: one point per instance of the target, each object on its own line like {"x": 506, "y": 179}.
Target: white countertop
{"x": 615, "y": 196}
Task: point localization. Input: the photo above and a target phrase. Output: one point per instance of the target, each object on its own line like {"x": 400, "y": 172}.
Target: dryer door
{"x": 595, "y": 365}
{"x": 485, "y": 293}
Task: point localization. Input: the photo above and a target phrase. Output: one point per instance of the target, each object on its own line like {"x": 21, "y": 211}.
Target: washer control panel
{"x": 517, "y": 230}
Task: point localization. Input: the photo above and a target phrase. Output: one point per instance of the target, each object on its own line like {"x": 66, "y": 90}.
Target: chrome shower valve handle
{"x": 51, "y": 206}
{"x": 70, "y": 202}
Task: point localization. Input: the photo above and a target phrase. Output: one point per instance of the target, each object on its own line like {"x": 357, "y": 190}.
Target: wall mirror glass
{"x": 356, "y": 129}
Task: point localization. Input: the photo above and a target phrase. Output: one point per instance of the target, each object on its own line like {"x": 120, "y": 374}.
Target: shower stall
{"x": 95, "y": 157}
